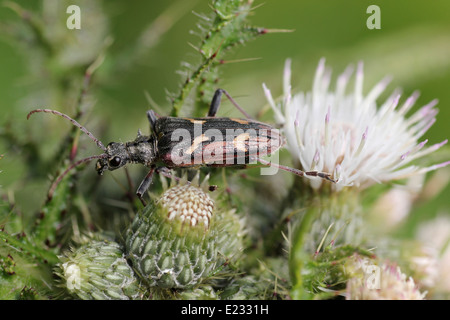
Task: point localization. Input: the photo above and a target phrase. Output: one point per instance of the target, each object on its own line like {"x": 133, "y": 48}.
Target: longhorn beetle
{"x": 202, "y": 144}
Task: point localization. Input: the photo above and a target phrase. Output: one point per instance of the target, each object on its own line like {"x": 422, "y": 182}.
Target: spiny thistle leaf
{"x": 25, "y": 269}
{"x": 18, "y": 281}
{"x": 228, "y": 29}
{"x": 13, "y": 241}
{"x": 51, "y": 216}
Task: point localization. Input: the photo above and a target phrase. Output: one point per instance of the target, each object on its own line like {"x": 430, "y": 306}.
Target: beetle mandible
{"x": 246, "y": 140}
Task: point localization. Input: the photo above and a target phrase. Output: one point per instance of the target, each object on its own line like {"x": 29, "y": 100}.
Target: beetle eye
{"x": 114, "y": 162}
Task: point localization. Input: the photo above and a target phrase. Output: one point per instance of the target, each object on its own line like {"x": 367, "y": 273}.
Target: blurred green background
{"x": 413, "y": 45}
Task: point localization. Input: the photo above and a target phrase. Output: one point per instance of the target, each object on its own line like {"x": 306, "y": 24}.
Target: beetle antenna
{"x": 236, "y": 104}
{"x": 73, "y": 165}
{"x": 74, "y": 122}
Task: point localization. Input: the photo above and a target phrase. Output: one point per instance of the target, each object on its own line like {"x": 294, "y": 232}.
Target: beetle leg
{"x": 297, "y": 172}
{"x": 152, "y": 119}
{"x": 166, "y": 173}
{"x": 145, "y": 184}
{"x": 215, "y": 104}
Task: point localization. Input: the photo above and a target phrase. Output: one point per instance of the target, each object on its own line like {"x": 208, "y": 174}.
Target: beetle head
{"x": 116, "y": 156}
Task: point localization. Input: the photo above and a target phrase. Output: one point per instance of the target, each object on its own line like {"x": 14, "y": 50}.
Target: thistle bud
{"x": 178, "y": 240}
{"x": 98, "y": 270}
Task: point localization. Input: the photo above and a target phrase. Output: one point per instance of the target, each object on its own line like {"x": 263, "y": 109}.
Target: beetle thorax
{"x": 141, "y": 150}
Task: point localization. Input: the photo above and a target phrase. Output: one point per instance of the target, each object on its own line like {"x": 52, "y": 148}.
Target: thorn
{"x": 196, "y": 48}
{"x": 264, "y": 31}
{"x": 238, "y": 60}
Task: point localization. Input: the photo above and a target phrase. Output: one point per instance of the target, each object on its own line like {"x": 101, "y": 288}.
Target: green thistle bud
{"x": 98, "y": 270}
{"x": 330, "y": 220}
{"x": 270, "y": 280}
{"x": 200, "y": 293}
{"x": 230, "y": 231}
{"x": 246, "y": 288}
{"x": 337, "y": 221}
{"x": 178, "y": 241}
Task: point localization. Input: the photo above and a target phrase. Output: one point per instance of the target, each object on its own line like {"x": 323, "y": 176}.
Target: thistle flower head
{"x": 435, "y": 235}
{"x": 384, "y": 282}
{"x": 349, "y": 135}
{"x": 189, "y": 202}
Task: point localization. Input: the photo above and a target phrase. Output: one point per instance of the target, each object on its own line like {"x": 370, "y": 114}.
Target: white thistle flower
{"x": 436, "y": 235}
{"x": 346, "y": 134}
{"x": 72, "y": 273}
{"x": 392, "y": 285}
{"x": 426, "y": 266}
